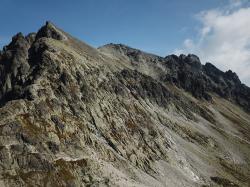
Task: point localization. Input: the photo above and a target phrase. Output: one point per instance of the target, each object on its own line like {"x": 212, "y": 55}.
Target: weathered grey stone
{"x": 72, "y": 115}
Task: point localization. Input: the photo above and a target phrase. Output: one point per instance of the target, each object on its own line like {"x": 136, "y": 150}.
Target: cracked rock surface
{"x": 73, "y": 115}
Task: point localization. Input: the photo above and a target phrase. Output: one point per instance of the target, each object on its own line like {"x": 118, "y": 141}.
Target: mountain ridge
{"x": 73, "y": 115}
{"x": 192, "y": 64}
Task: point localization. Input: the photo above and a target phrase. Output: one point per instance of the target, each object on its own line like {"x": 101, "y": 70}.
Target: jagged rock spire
{"x": 49, "y": 30}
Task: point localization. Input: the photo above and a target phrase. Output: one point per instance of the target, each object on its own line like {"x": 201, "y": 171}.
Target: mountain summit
{"x": 73, "y": 115}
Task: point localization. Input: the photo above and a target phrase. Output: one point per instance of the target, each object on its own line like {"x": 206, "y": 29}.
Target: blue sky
{"x": 157, "y": 26}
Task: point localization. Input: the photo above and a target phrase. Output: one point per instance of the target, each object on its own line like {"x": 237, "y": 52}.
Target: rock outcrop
{"x": 73, "y": 115}
{"x": 188, "y": 73}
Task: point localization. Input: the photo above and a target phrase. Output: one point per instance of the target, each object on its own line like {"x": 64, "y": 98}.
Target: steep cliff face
{"x": 73, "y": 115}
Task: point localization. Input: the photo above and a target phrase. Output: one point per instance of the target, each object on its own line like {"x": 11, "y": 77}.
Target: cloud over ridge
{"x": 224, "y": 38}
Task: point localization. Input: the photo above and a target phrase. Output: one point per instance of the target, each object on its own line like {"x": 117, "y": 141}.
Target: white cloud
{"x": 224, "y": 38}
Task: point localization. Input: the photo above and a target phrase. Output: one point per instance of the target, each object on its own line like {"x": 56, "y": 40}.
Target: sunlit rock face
{"x": 73, "y": 115}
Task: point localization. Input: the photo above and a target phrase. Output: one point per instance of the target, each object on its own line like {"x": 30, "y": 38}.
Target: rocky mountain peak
{"x": 18, "y": 41}
{"x": 124, "y": 49}
{"x": 192, "y": 60}
{"x": 232, "y": 76}
{"x": 49, "y": 30}
{"x": 18, "y": 36}
{"x": 72, "y": 115}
